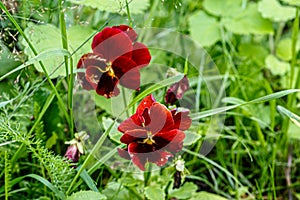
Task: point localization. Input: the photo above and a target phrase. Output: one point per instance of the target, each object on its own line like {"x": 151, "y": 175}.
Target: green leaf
{"x": 224, "y": 7}
{"x": 115, "y": 6}
{"x": 292, "y": 116}
{"x": 204, "y": 29}
{"x": 44, "y": 181}
{"x": 47, "y": 37}
{"x": 190, "y": 138}
{"x": 114, "y": 134}
{"x": 154, "y": 193}
{"x": 276, "y": 66}
{"x": 292, "y": 2}
{"x": 257, "y": 53}
{"x": 48, "y": 54}
{"x": 284, "y": 48}
{"x": 184, "y": 192}
{"x": 272, "y": 9}
{"x": 88, "y": 180}
{"x": 216, "y": 111}
{"x": 52, "y": 140}
{"x": 249, "y": 21}
{"x": 4, "y": 103}
{"x": 87, "y": 195}
{"x": 7, "y": 60}
{"x": 207, "y": 196}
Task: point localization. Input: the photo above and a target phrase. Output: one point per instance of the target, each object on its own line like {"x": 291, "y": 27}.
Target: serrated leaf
{"x": 204, "y": 29}
{"x": 115, "y": 6}
{"x": 272, "y": 9}
{"x": 276, "y": 66}
{"x": 207, "y": 196}
{"x": 47, "y": 37}
{"x": 184, "y": 192}
{"x": 224, "y": 7}
{"x": 154, "y": 193}
{"x": 87, "y": 195}
{"x": 258, "y": 53}
{"x": 249, "y": 21}
{"x": 190, "y": 138}
{"x": 292, "y": 2}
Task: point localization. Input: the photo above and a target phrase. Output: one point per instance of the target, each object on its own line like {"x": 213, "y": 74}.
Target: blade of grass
{"x": 60, "y": 101}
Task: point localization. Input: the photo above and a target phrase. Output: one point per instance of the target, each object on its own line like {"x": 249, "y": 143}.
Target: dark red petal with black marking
{"x": 181, "y": 119}
{"x": 133, "y": 136}
{"x": 107, "y": 86}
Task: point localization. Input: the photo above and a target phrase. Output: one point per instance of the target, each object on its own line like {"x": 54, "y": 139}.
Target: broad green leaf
{"x": 272, "y": 9}
{"x": 115, "y": 6}
{"x": 184, "y": 192}
{"x": 7, "y": 60}
{"x": 204, "y": 29}
{"x": 207, "y": 196}
{"x": 190, "y": 138}
{"x": 154, "y": 193}
{"x": 114, "y": 134}
{"x": 47, "y": 37}
{"x": 87, "y": 195}
{"x": 276, "y": 66}
{"x": 257, "y": 53}
{"x": 284, "y": 48}
{"x": 249, "y": 21}
{"x": 293, "y": 132}
{"x": 292, "y": 2}
{"x": 224, "y": 7}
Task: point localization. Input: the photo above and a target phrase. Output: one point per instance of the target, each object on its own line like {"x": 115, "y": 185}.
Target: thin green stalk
{"x": 60, "y": 101}
{"x": 291, "y": 97}
{"x": 64, "y": 36}
{"x": 128, "y": 14}
{"x": 125, "y": 101}
{"x": 70, "y": 77}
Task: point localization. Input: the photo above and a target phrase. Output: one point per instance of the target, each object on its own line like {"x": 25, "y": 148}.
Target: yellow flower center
{"x": 149, "y": 139}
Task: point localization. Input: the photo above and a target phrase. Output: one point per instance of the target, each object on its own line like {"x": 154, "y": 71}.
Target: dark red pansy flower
{"x": 177, "y": 90}
{"x": 116, "y": 58}
{"x": 153, "y": 134}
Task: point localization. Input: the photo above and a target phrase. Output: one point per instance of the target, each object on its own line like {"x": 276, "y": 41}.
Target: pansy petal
{"x": 133, "y": 136}
{"x": 93, "y": 75}
{"x": 122, "y": 64}
{"x": 171, "y": 141}
{"x": 161, "y": 118}
{"x": 140, "y": 55}
{"x": 112, "y": 43}
{"x": 139, "y": 160}
{"x": 131, "y": 79}
{"x": 134, "y": 122}
{"x": 160, "y": 158}
{"x": 124, "y": 153}
{"x": 85, "y": 61}
{"x": 181, "y": 119}
{"x": 107, "y": 86}
{"x": 128, "y": 30}
{"x": 141, "y": 148}
{"x": 145, "y": 103}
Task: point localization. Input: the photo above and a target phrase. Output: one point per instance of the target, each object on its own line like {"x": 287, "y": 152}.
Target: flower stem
{"x": 125, "y": 101}
{"x": 128, "y": 14}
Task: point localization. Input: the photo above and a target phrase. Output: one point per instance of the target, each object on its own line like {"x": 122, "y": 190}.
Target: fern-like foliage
{"x": 14, "y": 123}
